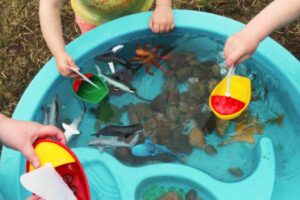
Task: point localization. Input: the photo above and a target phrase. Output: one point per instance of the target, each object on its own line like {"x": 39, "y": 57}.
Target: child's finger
{"x": 245, "y": 57}
{"x": 162, "y": 28}
{"x": 156, "y": 28}
{"x": 34, "y": 197}
{"x": 168, "y": 28}
{"x": 65, "y": 72}
{"x": 151, "y": 24}
{"x": 52, "y": 131}
{"x": 30, "y": 155}
{"x": 172, "y": 26}
{"x": 234, "y": 57}
{"x": 228, "y": 48}
{"x": 74, "y": 76}
{"x": 71, "y": 63}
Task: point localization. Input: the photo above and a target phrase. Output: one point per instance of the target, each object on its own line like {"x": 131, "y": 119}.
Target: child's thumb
{"x": 30, "y": 155}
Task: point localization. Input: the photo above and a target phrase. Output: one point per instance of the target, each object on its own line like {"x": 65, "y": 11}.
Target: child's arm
{"x": 162, "y": 18}
{"x": 49, "y": 12}
{"x": 241, "y": 45}
{"x": 20, "y": 135}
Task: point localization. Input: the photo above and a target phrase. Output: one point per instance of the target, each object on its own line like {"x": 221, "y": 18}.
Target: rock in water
{"x": 221, "y": 127}
{"x": 209, "y": 149}
{"x": 180, "y": 143}
{"x": 159, "y": 102}
{"x": 236, "y": 171}
{"x": 191, "y": 195}
{"x": 196, "y": 138}
{"x": 173, "y": 113}
{"x": 170, "y": 84}
{"x": 212, "y": 83}
{"x": 184, "y": 73}
{"x": 210, "y": 124}
{"x": 170, "y": 196}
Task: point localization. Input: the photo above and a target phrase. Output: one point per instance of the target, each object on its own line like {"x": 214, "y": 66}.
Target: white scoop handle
{"x": 83, "y": 77}
{"x": 229, "y": 75}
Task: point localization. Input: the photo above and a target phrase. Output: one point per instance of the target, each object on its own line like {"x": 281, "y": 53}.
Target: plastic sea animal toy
{"x": 124, "y": 131}
{"x": 112, "y": 58}
{"x": 151, "y": 149}
{"x": 51, "y": 112}
{"x": 72, "y": 129}
{"x": 147, "y": 56}
{"x": 103, "y": 143}
{"x": 115, "y": 83}
{"x": 65, "y": 163}
{"x": 231, "y": 96}
{"x": 118, "y": 84}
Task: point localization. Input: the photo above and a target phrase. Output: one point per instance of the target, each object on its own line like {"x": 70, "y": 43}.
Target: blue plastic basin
{"x": 113, "y": 182}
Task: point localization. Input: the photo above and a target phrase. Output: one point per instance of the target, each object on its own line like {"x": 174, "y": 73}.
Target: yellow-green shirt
{"x": 97, "y": 12}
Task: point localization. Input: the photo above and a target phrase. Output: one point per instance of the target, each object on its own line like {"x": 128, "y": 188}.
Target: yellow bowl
{"x": 240, "y": 89}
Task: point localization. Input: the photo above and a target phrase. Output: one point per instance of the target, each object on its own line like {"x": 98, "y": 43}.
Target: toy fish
{"x": 115, "y": 83}
{"x": 125, "y": 131}
{"x": 46, "y": 112}
{"x": 112, "y": 57}
{"x": 151, "y": 149}
{"x": 118, "y": 84}
{"x": 51, "y": 112}
{"x": 72, "y": 129}
{"x": 105, "y": 143}
{"x": 54, "y": 111}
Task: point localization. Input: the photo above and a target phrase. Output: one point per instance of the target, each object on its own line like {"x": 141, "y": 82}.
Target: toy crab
{"x": 147, "y": 56}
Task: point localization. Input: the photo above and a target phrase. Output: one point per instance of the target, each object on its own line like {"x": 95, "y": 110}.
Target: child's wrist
{"x": 164, "y": 3}
{"x": 251, "y": 33}
{"x": 257, "y": 31}
{"x": 59, "y": 52}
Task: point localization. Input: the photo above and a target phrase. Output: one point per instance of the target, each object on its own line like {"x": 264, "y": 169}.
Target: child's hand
{"x": 20, "y": 135}
{"x": 34, "y": 197}
{"x": 239, "y": 47}
{"x": 62, "y": 61}
{"x": 162, "y": 19}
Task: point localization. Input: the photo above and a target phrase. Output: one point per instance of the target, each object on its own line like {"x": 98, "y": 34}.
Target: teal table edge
{"x": 269, "y": 52}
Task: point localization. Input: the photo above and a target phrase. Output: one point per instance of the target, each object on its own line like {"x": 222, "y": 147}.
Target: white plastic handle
{"x": 230, "y": 73}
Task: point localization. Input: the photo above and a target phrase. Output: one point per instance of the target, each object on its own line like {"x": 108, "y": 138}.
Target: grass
{"x": 23, "y": 51}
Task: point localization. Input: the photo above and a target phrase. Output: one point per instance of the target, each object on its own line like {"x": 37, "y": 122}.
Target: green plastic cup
{"x": 87, "y": 92}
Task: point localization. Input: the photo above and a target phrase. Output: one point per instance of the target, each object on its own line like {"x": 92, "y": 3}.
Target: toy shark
{"x": 117, "y": 84}
{"x": 51, "y": 112}
{"x": 124, "y": 131}
{"x": 103, "y": 143}
{"x": 111, "y": 57}
{"x": 72, "y": 129}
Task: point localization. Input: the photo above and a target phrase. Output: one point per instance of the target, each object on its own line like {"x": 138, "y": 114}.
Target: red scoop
{"x": 72, "y": 173}
{"x": 226, "y": 105}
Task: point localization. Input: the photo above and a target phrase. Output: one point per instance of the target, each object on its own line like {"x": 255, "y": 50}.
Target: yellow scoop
{"x": 231, "y": 96}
